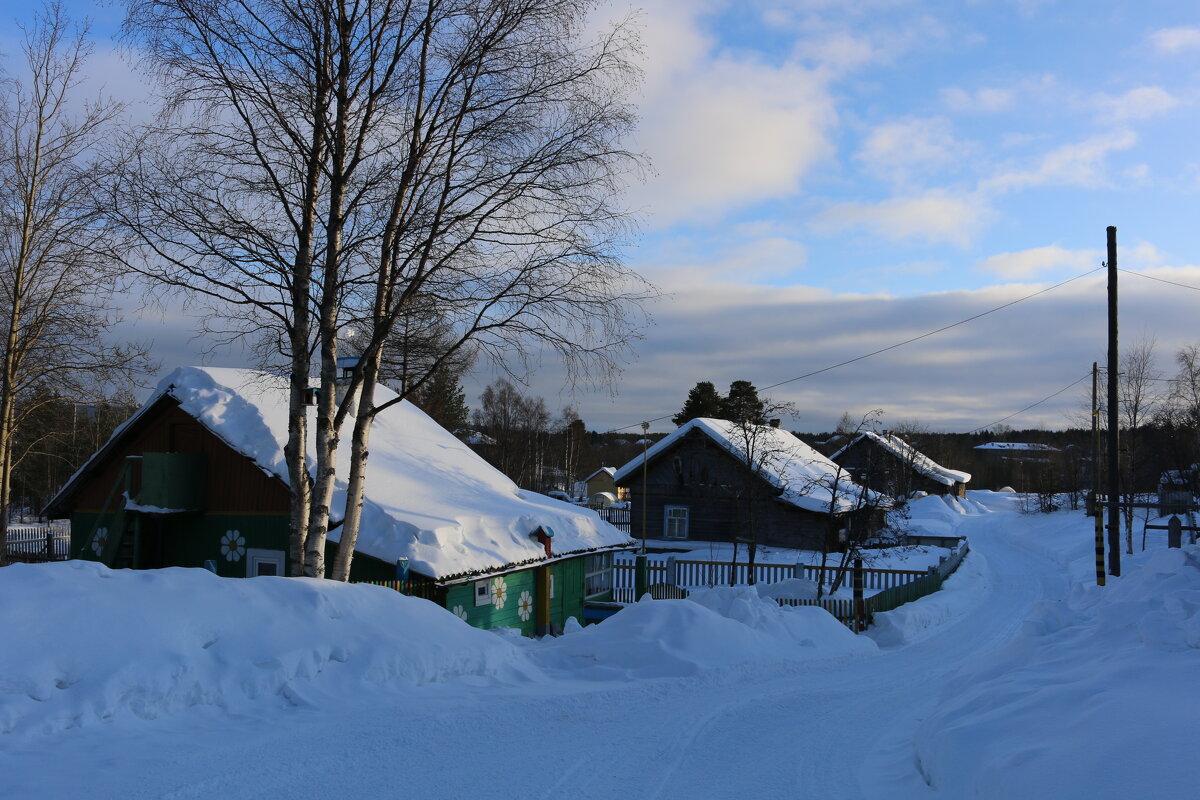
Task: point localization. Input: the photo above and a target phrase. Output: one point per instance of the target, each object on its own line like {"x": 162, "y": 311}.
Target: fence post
{"x": 672, "y": 571}
{"x": 1174, "y": 532}
{"x": 49, "y": 544}
{"x": 641, "y": 580}
{"x": 860, "y": 608}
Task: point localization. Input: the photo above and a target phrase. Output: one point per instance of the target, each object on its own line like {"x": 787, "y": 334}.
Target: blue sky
{"x": 831, "y": 178}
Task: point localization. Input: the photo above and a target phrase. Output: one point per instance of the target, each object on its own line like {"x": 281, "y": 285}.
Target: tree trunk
{"x": 356, "y": 480}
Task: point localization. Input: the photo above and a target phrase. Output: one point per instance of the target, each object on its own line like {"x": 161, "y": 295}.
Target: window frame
{"x": 667, "y": 519}
{"x": 597, "y": 566}
{"x": 483, "y": 598}
{"x": 258, "y": 555}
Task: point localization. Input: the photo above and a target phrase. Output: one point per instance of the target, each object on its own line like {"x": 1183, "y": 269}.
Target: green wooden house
{"x": 196, "y": 478}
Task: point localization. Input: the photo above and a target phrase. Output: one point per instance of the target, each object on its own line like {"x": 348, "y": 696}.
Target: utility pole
{"x": 641, "y": 572}
{"x": 1094, "y": 506}
{"x": 1114, "y": 425}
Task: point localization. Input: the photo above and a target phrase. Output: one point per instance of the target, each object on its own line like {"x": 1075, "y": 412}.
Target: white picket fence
{"x": 39, "y": 542}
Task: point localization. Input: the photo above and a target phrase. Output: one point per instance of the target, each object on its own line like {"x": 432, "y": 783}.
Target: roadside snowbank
{"x": 85, "y": 644}
{"x": 712, "y": 629}
{"x": 962, "y": 591}
{"x": 1086, "y": 701}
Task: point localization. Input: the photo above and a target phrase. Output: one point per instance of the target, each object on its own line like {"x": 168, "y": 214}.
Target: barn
{"x": 887, "y": 463}
{"x": 715, "y": 480}
{"x": 197, "y": 478}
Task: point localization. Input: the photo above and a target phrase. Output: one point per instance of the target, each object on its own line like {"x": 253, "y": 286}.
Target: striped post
{"x": 1099, "y": 520}
{"x": 860, "y": 607}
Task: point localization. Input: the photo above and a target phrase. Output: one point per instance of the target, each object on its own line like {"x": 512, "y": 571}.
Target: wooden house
{"x": 1027, "y": 452}
{"x": 886, "y": 463}
{"x": 714, "y": 480}
{"x": 602, "y": 481}
{"x": 197, "y": 478}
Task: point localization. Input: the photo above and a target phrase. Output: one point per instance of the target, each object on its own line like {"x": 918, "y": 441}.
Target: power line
{"x": 898, "y": 344}
{"x": 1086, "y": 375}
{"x": 1160, "y": 280}
{"x": 933, "y": 332}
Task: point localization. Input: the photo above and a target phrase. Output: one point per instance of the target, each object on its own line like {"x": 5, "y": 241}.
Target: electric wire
{"x": 1160, "y": 280}
{"x": 1086, "y": 375}
{"x": 897, "y": 344}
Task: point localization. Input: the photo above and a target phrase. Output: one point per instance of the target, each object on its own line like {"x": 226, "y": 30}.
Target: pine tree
{"x": 702, "y": 401}
{"x": 442, "y": 398}
{"x": 743, "y": 404}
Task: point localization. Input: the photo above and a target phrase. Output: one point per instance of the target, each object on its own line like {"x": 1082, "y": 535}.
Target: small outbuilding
{"x": 715, "y": 480}
{"x": 601, "y": 481}
{"x": 197, "y": 478}
{"x": 886, "y": 463}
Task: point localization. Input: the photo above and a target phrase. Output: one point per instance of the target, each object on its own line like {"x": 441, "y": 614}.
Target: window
{"x": 598, "y": 574}
{"x": 483, "y": 593}
{"x": 264, "y": 562}
{"x": 675, "y": 522}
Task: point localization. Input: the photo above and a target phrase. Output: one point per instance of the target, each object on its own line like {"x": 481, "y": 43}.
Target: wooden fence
{"x": 618, "y": 517}
{"x": 697, "y": 574}
{"x": 425, "y": 589}
{"x": 38, "y": 544}
{"x": 893, "y": 587}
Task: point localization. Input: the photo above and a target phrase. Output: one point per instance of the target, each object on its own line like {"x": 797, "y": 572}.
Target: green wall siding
{"x": 188, "y": 541}
{"x": 567, "y": 601}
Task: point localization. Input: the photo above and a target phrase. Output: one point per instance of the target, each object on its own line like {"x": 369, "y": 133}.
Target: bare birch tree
{"x": 503, "y": 206}
{"x": 243, "y": 194}
{"x": 56, "y": 269}
{"x": 322, "y": 165}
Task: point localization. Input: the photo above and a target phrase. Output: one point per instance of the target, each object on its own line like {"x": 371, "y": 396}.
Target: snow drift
{"x": 712, "y": 629}
{"x": 1076, "y": 705}
{"x": 87, "y": 644}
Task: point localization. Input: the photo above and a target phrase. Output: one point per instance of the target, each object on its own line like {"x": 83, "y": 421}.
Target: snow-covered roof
{"x": 806, "y": 477}
{"x": 910, "y": 455}
{"x": 609, "y": 471}
{"x": 1032, "y": 446}
{"x": 429, "y": 497}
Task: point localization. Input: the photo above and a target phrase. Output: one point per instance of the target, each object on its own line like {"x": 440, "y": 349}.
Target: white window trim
{"x": 667, "y": 520}
{"x": 607, "y": 560}
{"x": 483, "y": 598}
{"x": 256, "y": 555}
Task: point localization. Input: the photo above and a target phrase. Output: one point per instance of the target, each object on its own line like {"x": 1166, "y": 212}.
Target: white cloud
{"x": 723, "y": 130}
{"x": 1175, "y": 40}
{"x": 899, "y": 149}
{"x": 965, "y": 377}
{"x": 988, "y": 100}
{"x": 1034, "y": 261}
{"x": 934, "y": 217}
{"x": 1136, "y": 104}
{"x": 1078, "y": 164}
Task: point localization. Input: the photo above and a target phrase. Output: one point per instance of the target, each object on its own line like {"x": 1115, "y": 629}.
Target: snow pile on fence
{"x": 86, "y": 644}
{"x": 712, "y": 629}
{"x": 963, "y": 590}
{"x": 1078, "y": 699}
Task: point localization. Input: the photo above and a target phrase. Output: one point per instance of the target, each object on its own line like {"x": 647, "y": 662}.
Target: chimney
{"x": 774, "y": 423}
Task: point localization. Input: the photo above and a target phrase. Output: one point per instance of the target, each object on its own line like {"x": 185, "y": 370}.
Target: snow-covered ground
{"x": 1019, "y": 678}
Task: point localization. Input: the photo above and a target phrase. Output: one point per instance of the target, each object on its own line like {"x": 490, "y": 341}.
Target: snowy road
{"x": 839, "y": 728}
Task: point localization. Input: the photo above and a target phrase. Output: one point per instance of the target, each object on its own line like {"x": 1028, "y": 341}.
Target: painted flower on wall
{"x": 459, "y": 612}
{"x": 233, "y": 546}
{"x": 499, "y": 592}
{"x": 100, "y": 540}
{"x": 525, "y": 606}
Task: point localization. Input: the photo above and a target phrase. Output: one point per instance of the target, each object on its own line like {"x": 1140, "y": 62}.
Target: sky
{"x": 832, "y": 178}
